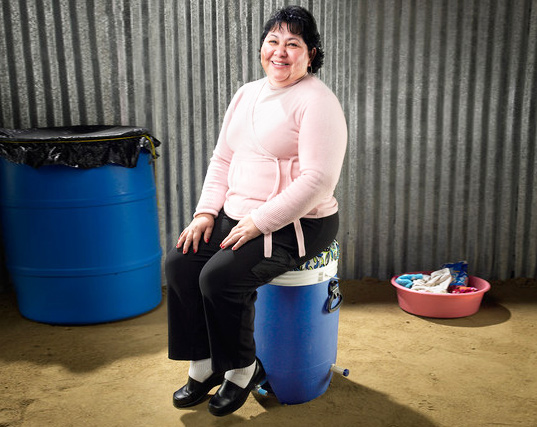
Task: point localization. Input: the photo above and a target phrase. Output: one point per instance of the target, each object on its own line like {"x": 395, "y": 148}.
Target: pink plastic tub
{"x": 441, "y": 305}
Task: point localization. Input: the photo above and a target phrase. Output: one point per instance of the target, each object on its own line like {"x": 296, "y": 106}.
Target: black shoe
{"x": 231, "y": 397}
{"x": 193, "y": 392}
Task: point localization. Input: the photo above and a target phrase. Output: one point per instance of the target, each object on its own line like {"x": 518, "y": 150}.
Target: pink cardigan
{"x": 278, "y": 157}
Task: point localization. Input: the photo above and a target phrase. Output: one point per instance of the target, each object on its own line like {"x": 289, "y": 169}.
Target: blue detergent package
{"x": 459, "y": 272}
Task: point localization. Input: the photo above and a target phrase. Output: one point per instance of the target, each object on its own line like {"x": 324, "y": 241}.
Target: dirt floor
{"x": 405, "y": 370}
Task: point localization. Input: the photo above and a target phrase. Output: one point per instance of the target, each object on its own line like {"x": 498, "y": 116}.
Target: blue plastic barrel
{"x": 296, "y": 339}
{"x": 82, "y": 245}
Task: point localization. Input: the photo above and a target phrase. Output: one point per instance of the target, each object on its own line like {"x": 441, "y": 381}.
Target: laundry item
{"x": 454, "y": 289}
{"x": 406, "y": 280}
{"x": 437, "y": 282}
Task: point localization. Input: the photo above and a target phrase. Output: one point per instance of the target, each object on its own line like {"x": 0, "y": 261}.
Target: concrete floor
{"x": 405, "y": 370}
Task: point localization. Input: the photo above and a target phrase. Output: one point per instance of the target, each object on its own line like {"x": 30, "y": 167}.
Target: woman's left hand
{"x": 244, "y": 231}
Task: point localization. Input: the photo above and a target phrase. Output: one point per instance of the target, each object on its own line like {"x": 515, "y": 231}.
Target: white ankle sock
{"x": 242, "y": 376}
{"x": 200, "y": 370}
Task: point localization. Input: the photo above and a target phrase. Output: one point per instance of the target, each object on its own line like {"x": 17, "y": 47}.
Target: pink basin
{"x": 441, "y": 305}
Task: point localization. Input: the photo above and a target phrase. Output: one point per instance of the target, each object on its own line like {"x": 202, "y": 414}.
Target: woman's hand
{"x": 244, "y": 231}
{"x": 202, "y": 224}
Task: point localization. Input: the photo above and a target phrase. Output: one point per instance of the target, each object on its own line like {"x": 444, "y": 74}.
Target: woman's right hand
{"x": 202, "y": 224}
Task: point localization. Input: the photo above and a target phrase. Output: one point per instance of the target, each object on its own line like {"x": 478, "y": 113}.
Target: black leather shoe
{"x": 231, "y": 397}
{"x": 193, "y": 392}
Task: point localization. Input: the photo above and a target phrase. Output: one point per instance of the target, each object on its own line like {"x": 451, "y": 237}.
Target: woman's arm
{"x": 214, "y": 189}
{"x": 215, "y": 185}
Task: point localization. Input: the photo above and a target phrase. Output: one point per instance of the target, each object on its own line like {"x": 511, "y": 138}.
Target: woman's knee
{"x": 176, "y": 268}
{"x": 172, "y": 258}
{"x": 212, "y": 281}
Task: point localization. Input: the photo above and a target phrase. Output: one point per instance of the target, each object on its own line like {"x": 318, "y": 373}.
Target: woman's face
{"x": 284, "y": 56}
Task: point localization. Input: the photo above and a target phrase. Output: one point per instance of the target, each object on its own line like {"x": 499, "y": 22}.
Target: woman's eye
{"x": 292, "y": 45}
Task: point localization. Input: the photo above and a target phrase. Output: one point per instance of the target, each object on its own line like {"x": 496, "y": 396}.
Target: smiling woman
{"x": 285, "y": 56}
{"x": 300, "y": 24}
{"x": 267, "y": 205}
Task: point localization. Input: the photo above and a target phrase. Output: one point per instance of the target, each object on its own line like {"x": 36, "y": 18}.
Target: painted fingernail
{"x": 184, "y": 251}
{"x": 195, "y": 251}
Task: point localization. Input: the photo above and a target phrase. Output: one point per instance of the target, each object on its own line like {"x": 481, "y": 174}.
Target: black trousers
{"x": 211, "y": 293}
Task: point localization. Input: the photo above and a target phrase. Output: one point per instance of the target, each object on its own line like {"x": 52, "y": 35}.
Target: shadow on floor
{"x": 78, "y": 348}
{"x": 490, "y": 313}
{"x": 361, "y": 406}
{"x": 493, "y": 310}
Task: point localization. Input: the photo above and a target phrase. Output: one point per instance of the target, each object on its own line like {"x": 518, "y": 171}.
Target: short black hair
{"x": 300, "y": 22}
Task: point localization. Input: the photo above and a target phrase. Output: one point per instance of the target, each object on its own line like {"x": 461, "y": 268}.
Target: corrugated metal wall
{"x": 439, "y": 95}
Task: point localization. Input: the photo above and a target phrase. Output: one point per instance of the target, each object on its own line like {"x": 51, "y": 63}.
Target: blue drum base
{"x": 89, "y": 300}
{"x": 296, "y": 339}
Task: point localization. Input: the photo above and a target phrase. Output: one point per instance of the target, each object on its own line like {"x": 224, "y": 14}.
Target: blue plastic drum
{"x": 82, "y": 245}
{"x": 296, "y": 332}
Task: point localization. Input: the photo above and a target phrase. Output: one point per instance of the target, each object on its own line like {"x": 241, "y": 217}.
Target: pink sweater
{"x": 278, "y": 156}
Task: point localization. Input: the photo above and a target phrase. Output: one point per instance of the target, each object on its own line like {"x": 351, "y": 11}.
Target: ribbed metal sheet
{"x": 439, "y": 95}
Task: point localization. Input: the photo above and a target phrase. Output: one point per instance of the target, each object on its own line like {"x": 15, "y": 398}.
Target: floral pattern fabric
{"x": 331, "y": 253}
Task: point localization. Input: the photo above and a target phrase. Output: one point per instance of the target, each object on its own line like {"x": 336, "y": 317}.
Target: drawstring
{"x": 296, "y": 223}
{"x": 300, "y": 238}
{"x": 268, "y": 245}
{"x": 278, "y": 179}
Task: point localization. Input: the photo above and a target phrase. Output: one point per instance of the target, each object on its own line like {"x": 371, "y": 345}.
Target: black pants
{"x": 211, "y": 294}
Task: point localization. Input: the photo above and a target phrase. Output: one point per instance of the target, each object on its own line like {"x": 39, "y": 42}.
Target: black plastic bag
{"x": 82, "y": 147}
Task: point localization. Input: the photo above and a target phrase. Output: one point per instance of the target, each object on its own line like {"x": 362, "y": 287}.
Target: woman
{"x": 267, "y": 205}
